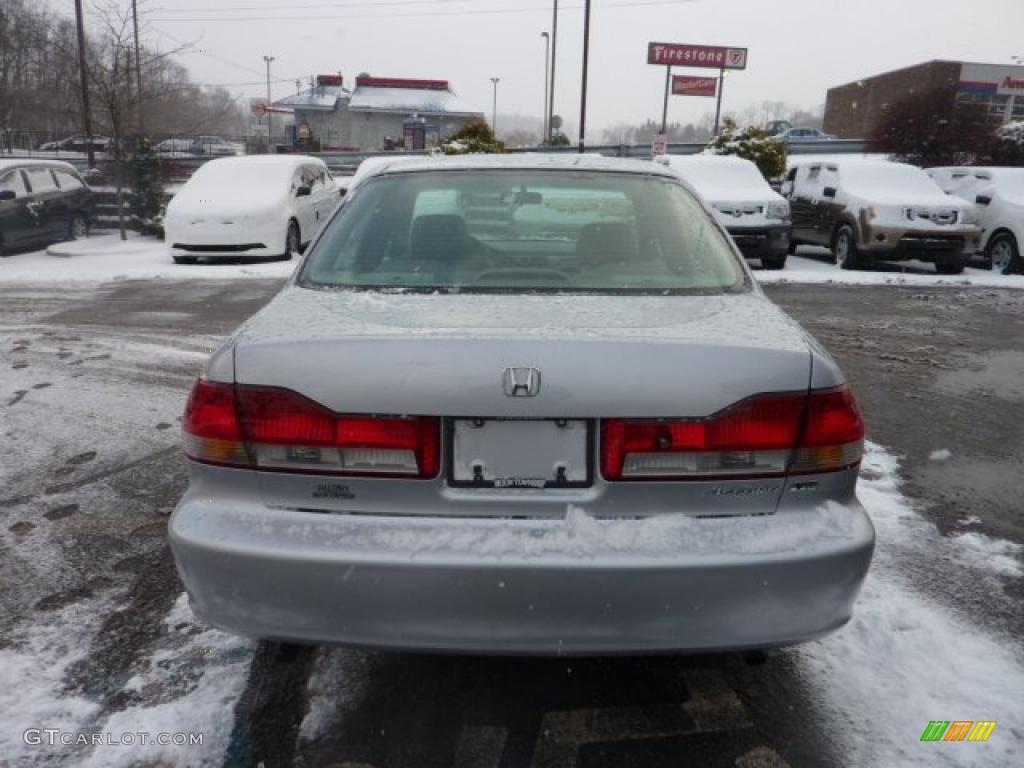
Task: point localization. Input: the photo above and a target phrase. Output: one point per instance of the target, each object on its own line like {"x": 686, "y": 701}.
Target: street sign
{"x": 685, "y": 55}
{"x": 660, "y": 145}
{"x": 689, "y": 85}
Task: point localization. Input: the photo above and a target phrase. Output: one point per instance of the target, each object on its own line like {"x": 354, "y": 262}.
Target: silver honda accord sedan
{"x": 523, "y": 405}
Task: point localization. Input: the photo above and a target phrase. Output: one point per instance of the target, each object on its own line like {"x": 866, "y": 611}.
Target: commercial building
{"x": 853, "y": 110}
{"x": 380, "y": 113}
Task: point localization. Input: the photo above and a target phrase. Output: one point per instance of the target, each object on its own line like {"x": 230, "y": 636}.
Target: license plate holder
{"x": 520, "y": 453}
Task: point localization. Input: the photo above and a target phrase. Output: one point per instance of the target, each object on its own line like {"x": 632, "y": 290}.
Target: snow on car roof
{"x": 21, "y": 162}
{"x": 410, "y": 100}
{"x": 722, "y": 178}
{"x": 526, "y": 162}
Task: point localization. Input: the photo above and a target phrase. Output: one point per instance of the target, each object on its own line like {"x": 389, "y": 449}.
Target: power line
{"x": 466, "y": 12}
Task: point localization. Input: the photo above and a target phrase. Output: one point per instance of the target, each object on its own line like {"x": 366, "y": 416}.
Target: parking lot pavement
{"x": 96, "y": 635}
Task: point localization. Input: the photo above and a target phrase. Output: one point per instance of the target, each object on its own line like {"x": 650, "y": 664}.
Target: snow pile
{"x": 814, "y": 266}
{"x": 198, "y": 676}
{"x": 32, "y": 669}
{"x": 906, "y": 659}
{"x": 104, "y": 258}
{"x": 943, "y": 454}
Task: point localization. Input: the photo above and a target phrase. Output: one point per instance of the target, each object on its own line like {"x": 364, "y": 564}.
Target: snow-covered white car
{"x": 265, "y": 206}
{"x": 756, "y": 216}
{"x": 867, "y": 209}
{"x": 999, "y": 196}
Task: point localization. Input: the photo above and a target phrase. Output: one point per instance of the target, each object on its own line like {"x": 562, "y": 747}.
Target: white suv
{"x": 999, "y": 195}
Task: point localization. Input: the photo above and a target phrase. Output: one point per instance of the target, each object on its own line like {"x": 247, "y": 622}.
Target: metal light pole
{"x": 270, "y": 131}
{"x": 554, "y": 51}
{"x": 718, "y": 105}
{"x": 494, "y": 109}
{"x": 664, "y": 108}
{"x": 83, "y": 74}
{"x": 544, "y": 119}
{"x": 586, "y": 62}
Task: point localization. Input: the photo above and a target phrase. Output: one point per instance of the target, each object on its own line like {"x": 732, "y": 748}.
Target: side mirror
{"x": 303, "y": 192}
{"x": 7, "y": 194}
{"x": 830, "y": 192}
{"x": 983, "y": 200}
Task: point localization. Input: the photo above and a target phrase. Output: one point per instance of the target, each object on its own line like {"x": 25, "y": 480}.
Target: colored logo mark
{"x": 958, "y": 730}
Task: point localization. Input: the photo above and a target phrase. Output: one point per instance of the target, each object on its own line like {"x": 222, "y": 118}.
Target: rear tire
{"x": 1004, "y": 254}
{"x": 185, "y": 259}
{"x": 774, "y": 262}
{"x": 292, "y": 241}
{"x": 844, "y": 248}
{"x": 950, "y": 265}
{"x": 77, "y": 227}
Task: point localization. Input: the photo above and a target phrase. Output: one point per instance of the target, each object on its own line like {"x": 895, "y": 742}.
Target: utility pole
{"x": 494, "y": 109}
{"x": 586, "y": 62}
{"x": 544, "y": 131}
{"x": 554, "y": 53}
{"x": 138, "y": 71}
{"x": 270, "y": 123}
{"x": 83, "y": 74}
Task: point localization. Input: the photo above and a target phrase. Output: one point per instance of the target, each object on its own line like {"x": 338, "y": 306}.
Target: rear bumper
{"x": 569, "y": 586}
{"x": 755, "y": 242}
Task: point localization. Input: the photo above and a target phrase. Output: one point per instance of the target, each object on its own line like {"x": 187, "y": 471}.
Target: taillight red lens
{"x": 211, "y": 429}
{"x": 833, "y": 418}
{"x": 756, "y": 437}
{"x": 274, "y": 428}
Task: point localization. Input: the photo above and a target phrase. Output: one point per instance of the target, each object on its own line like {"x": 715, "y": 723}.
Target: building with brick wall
{"x": 853, "y": 110}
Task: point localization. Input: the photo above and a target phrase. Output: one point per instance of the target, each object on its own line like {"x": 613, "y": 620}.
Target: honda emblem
{"x": 521, "y": 382}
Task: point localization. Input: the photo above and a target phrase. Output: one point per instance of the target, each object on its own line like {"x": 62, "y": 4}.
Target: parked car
{"x": 214, "y": 146}
{"x": 754, "y": 214}
{"x": 260, "y": 206}
{"x": 591, "y": 433}
{"x": 42, "y": 202}
{"x": 174, "y": 148}
{"x": 78, "y": 144}
{"x": 874, "y": 209}
{"x": 999, "y": 195}
{"x": 805, "y": 134}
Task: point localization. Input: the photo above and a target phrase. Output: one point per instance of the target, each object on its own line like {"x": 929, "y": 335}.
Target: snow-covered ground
{"x": 814, "y": 265}
{"x": 103, "y": 257}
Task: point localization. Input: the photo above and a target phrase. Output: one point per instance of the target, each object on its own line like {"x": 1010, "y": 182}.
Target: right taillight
{"x": 762, "y": 436}
{"x": 833, "y": 437}
{"x": 276, "y": 429}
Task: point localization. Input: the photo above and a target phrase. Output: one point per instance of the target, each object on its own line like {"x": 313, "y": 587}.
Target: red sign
{"x": 682, "y": 55}
{"x": 688, "y": 85}
{"x": 401, "y": 82}
{"x": 659, "y": 145}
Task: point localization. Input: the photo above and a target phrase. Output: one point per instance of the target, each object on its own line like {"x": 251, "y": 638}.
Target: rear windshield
{"x": 511, "y": 231}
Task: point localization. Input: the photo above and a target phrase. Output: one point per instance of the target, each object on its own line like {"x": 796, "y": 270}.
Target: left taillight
{"x": 276, "y": 429}
{"x": 212, "y": 433}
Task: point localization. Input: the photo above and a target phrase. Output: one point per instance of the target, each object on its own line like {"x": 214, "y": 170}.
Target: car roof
{"x": 524, "y": 162}
{"x": 269, "y": 161}
{"x": 702, "y": 158}
{"x": 25, "y": 162}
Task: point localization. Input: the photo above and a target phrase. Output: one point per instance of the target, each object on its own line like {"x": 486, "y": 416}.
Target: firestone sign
{"x": 689, "y": 85}
{"x": 685, "y": 55}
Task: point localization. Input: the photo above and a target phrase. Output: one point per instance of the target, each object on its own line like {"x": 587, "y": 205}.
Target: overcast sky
{"x": 798, "y": 48}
